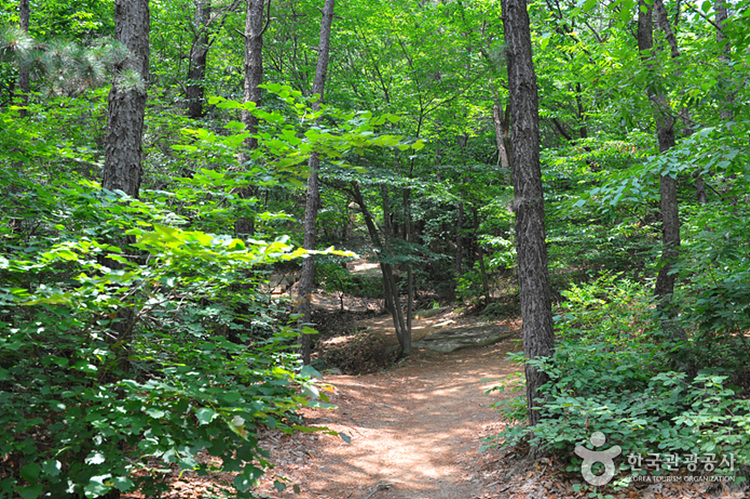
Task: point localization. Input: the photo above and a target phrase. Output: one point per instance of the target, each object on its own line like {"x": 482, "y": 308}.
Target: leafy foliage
{"x": 113, "y": 363}
{"x": 610, "y": 373}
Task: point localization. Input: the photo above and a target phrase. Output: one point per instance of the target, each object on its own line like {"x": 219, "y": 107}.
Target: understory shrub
{"x": 115, "y": 368}
{"x": 611, "y": 373}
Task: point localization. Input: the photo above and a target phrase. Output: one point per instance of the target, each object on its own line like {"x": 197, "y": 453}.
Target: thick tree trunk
{"x": 24, "y": 80}
{"x": 313, "y": 190}
{"x": 123, "y": 142}
{"x": 195, "y": 89}
{"x": 127, "y": 101}
{"x": 533, "y": 276}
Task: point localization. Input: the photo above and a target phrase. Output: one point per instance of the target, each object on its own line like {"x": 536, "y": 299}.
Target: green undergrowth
{"x": 615, "y": 372}
{"x": 118, "y": 368}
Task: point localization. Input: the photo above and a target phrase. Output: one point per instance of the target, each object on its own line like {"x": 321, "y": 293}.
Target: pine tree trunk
{"x": 127, "y": 101}
{"x": 312, "y": 202}
{"x": 533, "y": 276}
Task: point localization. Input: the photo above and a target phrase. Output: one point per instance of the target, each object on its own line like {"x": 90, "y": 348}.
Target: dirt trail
{"x": 415, "y": 431}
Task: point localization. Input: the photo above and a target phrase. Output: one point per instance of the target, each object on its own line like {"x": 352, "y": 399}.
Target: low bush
{"x": 115, "y": 367}
{"x": 611, "y": 373}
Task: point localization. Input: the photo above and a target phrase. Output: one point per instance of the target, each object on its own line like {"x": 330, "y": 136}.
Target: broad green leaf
{"x": 30, "y": 472}
{"x": 205, "y": 415}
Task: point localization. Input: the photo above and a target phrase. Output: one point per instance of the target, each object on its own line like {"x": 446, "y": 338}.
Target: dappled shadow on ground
{"x": 415, "y": 430}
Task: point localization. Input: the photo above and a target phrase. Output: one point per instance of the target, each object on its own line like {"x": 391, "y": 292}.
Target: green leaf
{"x": 156, "y": 413}
{"x": 30, "y": 472}
{"x": 205, "y": 415}
{"x": 31, "y": 491}
{"x": 309, "y": 371}
{"x": 51, "y": 467}
{"x": 123, "y": 483}
{"x": 346, "y": 438}
{"x": 279, "y": 486}
{"x": 96, "y": 486}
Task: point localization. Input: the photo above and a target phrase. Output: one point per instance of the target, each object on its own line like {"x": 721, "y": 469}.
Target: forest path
{"x": 415, "y": 430}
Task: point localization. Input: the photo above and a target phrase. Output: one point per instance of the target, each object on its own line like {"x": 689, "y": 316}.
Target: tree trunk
{"x": 665, "y": 135}
{"x": 480, "y": 255}
{"x": 254, "y": 29}
{"x": 195, "y": 89}
{"x": 313, "y": 191}
{"x": 459, "y": 240}
{"x": 533, "y": 275}
{"x": 502, "y": 135}
{"x": 123, "y": 141}
{"x": 127, "y": 100}
{"x": 406, "y": 343}
{"x": 253, "y": 66}
{"x": 390, "y": 290}
{"x": 722, "y": 15}
{"x": 24, "y": 80}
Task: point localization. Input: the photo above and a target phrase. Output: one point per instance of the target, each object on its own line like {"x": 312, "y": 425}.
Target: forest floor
{"x": 414, "y": 427}
{"x": 415, "y": 431}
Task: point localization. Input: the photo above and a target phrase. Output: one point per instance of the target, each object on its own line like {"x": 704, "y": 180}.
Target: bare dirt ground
{"x": 415, "y": 431}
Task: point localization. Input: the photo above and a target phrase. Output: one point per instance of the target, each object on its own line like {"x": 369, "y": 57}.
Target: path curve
{"x": 415, "y": 431}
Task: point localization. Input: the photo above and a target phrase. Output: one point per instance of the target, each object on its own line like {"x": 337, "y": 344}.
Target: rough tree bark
{"x": 533, "y": 275}
{"x": 127, "y": 100}
{"x": 195, "y": 89}
{"x": 254, "y": 29}
{"x": 313, "y": 190}
{"x": 123, "y": 141}
{"x": 665, "y": 135}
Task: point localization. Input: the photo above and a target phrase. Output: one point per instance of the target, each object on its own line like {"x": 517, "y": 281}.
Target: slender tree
{"x": 256, "y": 24}
{"x": 666, "y": 138}
{"x": 24, "y": 80}
{"x": 195, "y": 88}
{"x": 254, "y": 29}
{"x": 533, "y": 275}
{"x": 127, "y": 100}
{"x": 313, "y": 190}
